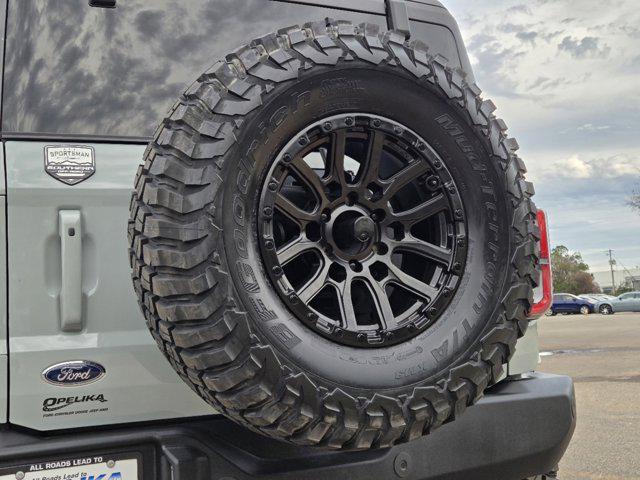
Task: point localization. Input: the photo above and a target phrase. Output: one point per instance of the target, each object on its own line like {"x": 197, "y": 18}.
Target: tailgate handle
{"x": 70, "y": 224}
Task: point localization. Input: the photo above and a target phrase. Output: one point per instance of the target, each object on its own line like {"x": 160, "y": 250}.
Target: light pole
{"x": 612, "y": 262}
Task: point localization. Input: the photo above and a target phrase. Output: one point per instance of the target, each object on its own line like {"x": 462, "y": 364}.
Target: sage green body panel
{"x": 4, "y": 385}
{"x": 139, "y": 383}
{"x": 527, "y": 356}
{"x": 4, "y": 359}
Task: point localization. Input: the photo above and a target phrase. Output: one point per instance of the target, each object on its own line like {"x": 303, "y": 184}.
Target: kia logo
{"x": 73, "y": 373}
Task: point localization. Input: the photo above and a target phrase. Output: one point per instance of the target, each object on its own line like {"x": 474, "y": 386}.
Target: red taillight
{"x": 544, "y": 293}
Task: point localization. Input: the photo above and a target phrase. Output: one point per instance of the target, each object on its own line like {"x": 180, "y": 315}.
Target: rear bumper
{"x": 519, "y": 429}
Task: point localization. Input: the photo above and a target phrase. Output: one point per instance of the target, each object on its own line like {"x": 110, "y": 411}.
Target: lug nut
{"x": 437, "y": 164}
{"x": 376, "y": 123}
{"x": 348, "y": 121}
{"x": 458, "y": 213}
{"x": 303, "y": 141}
{"x": 273, "y": 186}
{"x": 355, "y": 266}
{"x": 461, "y": 242}
{"x": 432, "y": 182}
{"x": 432, "y": 312}
{"x": 287, "y": 157}
{"x": 268, "y": 211}
{"x": 327, "y": 126}
{"x": 361, "y": 337}
{"x": 277, "y": 271}
{"x": 268, "y": 244}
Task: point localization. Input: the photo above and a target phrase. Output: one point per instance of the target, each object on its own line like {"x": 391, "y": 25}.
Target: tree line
{"x": 571, "y": 273}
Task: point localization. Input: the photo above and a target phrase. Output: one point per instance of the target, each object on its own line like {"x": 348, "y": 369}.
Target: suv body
{"x": 102, "y": 85}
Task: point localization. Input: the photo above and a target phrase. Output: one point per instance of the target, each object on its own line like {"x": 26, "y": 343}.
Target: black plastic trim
{"x": 102, "y": 3}
{"x": 519, "y": 429}
{"x": 398, "y": 16}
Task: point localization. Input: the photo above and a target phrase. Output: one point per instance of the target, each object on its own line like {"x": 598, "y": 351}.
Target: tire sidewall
{"x": 476, "y": 306}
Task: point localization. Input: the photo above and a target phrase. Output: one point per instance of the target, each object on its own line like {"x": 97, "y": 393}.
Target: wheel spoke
{"x": 293, "y": 212}
{"x": 339, "y": 224}
{"x": 345, "y": 300}
{"x": 415, "y": 286}
{"x": 425, "y": 210}
{"x": 424, "y": 249}
{"x": 315, "y": 285}
{"x": 309, "y": 177}
{"x": 336, "y": 158}
{"x": 374, "y": 155}
{"x": 405, "y": 176}
{"x": 294, "y": 249}
{"x": 382, "y": 304}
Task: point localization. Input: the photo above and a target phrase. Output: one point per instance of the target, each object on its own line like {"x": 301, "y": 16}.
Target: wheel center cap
{"x": 364, "y": 229}
{"x": 351, "y": 231}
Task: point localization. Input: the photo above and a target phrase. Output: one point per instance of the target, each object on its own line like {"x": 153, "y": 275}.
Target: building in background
{"x": 628, "y": 277}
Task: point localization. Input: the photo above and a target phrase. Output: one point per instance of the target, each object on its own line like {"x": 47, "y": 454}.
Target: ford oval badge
{"x": 73, "y": 373}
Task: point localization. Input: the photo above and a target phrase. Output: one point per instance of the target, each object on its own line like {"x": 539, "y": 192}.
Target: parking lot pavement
{"x": 602, "y": 354}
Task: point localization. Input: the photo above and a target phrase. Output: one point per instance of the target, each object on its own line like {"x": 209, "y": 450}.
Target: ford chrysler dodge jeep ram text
{"x": 337, "y": 264}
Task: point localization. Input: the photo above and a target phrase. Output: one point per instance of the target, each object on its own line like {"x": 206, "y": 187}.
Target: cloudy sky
{"x": 565, "y": 75}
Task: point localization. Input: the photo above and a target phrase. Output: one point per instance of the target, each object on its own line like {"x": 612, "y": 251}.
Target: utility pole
{"x": 612, "y": 262}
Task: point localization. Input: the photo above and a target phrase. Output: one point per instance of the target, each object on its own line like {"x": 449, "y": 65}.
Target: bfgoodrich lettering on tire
{"x": 331, "y": 238}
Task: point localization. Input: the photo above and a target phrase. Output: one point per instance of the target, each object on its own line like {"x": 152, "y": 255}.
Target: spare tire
{"x": 331, "y": 238}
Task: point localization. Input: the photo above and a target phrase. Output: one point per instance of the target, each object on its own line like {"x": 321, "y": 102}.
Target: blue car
{"x": 566, "y": 303}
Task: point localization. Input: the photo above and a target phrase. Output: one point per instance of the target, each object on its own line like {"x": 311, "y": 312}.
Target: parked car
{"x": 567, "y": 303}
{"x": 602, "y": 296}
{"x": 627, "y": 302}
{"x": 590, "y": 297}
{"x": 602, "y": 302}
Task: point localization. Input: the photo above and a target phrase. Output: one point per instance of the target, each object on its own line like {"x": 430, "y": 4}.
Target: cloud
{"x": 510, "y": 27}
{"x": 576, "y": 121}
{"x": 529, "y": 37}
{"x": 521, "y": 8}
{"x": 493, "y": 61}
{"x": 589, "y": 127}
{"x": 587, "y": 47}
{"x": 575, "y": 167}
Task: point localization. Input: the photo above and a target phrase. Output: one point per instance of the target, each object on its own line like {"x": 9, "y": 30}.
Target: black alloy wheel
{"x": 362, "y": 230}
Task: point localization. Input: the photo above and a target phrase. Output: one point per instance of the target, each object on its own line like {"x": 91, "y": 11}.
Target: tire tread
{"x": 177, "y": 254}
